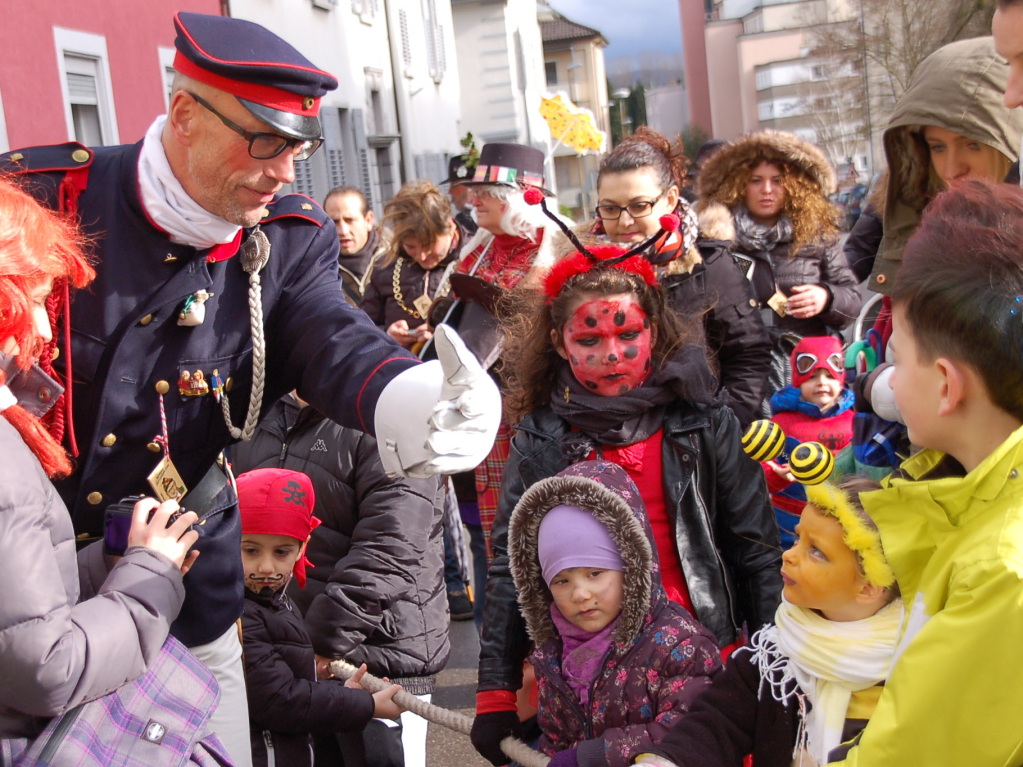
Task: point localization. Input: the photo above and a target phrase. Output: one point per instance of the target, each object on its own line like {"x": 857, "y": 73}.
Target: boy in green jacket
{"x": 951, "y": 519}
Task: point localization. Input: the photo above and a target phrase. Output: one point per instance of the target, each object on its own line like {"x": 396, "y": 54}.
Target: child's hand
{"x": 323, "y": 667}
{"x": 354, "y": 679}
{"x": 384, "y": 706}
{"x": 782, "y": 470}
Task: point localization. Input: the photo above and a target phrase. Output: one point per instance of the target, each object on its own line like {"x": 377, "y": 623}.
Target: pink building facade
{"x": 96, "y": 71}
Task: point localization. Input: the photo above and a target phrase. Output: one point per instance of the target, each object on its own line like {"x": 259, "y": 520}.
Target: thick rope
{"x": 255, "y": 254}
{"x": 514, "y": 748}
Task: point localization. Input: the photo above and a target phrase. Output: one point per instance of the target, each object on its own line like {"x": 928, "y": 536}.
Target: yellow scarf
{"x": 824, "y": 662}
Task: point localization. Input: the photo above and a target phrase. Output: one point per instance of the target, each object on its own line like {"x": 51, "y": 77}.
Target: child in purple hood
{"x": 616, "y": 663}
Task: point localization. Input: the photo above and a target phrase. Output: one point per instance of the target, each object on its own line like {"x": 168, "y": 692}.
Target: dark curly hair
{"x": 530, "y": 361}
{"x": 646, "y": 148}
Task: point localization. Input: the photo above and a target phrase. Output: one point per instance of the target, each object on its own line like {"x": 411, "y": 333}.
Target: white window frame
{"x": 88, "y": 45}
{"x": 166, "y": 57}
{"x": 4, "y": 143}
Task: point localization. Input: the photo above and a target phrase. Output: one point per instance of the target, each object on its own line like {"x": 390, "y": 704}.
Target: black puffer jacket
{"x": 719, "y": 503}
{"x": 376, "y": 592}
{"x": 735, "y": 332}
{"x": 286, "y": 702}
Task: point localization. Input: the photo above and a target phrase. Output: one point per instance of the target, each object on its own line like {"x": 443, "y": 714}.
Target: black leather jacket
{"x": 735, "y": 332}
{"x": 724, "y": 527}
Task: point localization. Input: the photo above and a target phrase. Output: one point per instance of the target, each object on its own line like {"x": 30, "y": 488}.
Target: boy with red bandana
{"x": 286, "y": 702}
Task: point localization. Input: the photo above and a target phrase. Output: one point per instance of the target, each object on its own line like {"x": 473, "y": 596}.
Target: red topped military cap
{"x": 268, "y": 76}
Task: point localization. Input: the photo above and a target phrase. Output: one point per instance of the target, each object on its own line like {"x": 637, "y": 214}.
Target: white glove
{"x": 878, "y": 391}
{"x": 440, "y": 417}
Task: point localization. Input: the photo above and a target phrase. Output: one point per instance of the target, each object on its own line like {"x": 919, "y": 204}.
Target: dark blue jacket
{"x": 126, "y": 342}
{"x": 286, "y": 701}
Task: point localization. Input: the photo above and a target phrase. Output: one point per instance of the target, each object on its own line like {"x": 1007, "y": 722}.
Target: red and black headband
{"x": 604, "y": 256}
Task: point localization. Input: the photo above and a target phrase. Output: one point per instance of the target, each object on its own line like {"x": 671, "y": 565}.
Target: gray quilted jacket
{"x": 55, "y": 651}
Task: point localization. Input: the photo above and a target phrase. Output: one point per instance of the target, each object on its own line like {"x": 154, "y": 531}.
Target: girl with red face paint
{"x": 598, "y": 368}
{"x": 639, "y": 181}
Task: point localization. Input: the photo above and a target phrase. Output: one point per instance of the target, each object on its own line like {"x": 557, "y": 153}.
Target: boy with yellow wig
{"x": 804, "y": 688}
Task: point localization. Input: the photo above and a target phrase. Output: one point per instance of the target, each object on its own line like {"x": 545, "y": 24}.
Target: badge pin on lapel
{"x": 193, "y": 311}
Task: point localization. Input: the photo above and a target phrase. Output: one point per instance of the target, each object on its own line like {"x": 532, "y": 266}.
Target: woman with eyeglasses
{"x": 640, "y": 181}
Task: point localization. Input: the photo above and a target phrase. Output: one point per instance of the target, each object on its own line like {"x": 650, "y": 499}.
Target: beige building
{"x": 574, "y": 65}
{"x": 501, "y": 73}
{"x": 394, "y": 116}
{"x": 763, "y": 74}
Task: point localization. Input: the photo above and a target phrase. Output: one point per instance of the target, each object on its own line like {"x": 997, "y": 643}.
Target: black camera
{"x": 117, "y": 523}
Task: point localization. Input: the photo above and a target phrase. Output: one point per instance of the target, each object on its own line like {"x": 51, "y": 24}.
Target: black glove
{"x": 488, "y": 730}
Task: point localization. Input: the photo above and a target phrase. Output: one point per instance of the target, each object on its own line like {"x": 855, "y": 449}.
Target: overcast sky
{"x": 630, "y": 26}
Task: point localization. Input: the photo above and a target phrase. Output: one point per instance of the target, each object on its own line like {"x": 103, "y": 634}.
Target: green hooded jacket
{"x": 960, "y": 88}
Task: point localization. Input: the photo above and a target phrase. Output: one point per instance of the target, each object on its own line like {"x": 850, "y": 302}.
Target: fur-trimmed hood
{"x": 809, "y": 180}
{"x": 747, "y": 151}
{"x": 607, "y": 491}
{"x": 960, "y": 88}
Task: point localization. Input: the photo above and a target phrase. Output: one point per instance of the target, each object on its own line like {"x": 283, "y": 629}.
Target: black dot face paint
{"x": 609, "y": 344}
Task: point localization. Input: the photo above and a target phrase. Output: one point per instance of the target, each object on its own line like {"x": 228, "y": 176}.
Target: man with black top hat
{"x": 202, "y": 267}
{"x": 458, "y": 173}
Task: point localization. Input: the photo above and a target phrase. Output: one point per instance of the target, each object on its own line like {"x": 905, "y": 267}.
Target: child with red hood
{"x": 286, "y": 702}
{"x": 817, "y": 407}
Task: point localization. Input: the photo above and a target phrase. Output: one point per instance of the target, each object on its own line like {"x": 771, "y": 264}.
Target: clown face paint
{"x": 608, "y": 343}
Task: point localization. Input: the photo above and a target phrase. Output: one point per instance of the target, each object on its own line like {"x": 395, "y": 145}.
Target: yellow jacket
{"x": 955, "y": 694}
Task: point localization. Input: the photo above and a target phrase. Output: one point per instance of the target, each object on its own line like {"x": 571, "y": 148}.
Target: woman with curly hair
{"x": 776, "y": 186}
{"x": 424, "y": 241}
{"x": 640, "y": 181}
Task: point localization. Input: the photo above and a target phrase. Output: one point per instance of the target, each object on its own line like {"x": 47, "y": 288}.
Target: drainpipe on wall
{"x": 401, "y": 96}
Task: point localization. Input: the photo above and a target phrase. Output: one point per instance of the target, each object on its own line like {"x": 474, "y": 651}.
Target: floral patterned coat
{"x": 660, "y": 658}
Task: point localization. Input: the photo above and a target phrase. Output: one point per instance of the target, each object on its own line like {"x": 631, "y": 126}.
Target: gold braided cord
{"x": 857, "y": 535}
{"x": 442, "y": 291}
{"x": 396, "y": 288}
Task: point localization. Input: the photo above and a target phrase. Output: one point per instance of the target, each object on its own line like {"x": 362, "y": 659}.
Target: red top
{"x": 643, "y": 463}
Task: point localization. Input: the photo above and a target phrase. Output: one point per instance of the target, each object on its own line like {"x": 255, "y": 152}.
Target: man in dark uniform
{"x": 202, "y": 267}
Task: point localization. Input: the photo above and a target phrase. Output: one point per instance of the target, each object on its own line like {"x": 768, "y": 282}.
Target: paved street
{"x": 456, "y": 690}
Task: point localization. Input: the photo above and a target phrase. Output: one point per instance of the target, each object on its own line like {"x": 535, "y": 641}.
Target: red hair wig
{"x": 35, "y": 244}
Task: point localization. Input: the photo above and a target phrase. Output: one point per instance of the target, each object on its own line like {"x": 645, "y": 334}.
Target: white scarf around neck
{"x": 827, "y": 661}
{"x": 167, "y": 202}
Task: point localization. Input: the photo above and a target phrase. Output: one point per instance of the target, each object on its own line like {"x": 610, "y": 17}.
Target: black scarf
{"x": 631, "y": 417}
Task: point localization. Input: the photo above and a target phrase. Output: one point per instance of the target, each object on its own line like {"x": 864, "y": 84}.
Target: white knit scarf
{"x": 167, "y": 202}
{"x": 812, "y": 658}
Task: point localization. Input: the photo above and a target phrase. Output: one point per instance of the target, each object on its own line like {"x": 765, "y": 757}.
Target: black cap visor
{"x": 288, "y": 123}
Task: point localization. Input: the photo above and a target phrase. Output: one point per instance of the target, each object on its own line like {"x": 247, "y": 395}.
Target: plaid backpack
{"x": 158, "y": 720}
